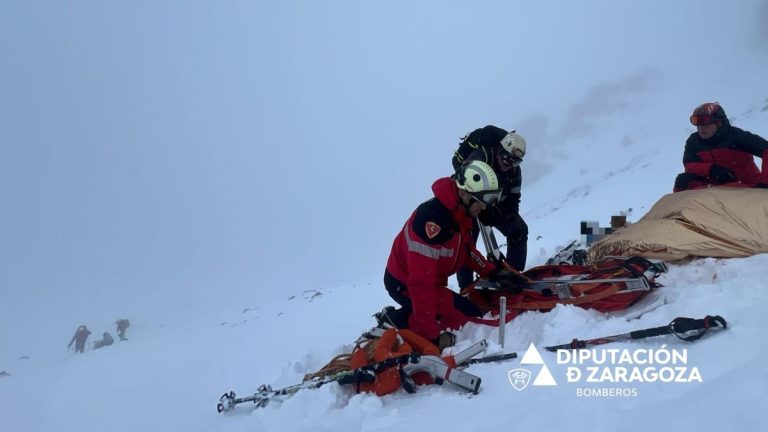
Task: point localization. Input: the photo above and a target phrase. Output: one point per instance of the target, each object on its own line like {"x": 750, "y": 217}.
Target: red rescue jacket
{"x": 435, "y": 242}
{"x": 732, "y": 148}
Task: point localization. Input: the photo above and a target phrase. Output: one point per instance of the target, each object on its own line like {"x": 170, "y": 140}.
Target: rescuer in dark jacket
{"x": 719, "y": 154}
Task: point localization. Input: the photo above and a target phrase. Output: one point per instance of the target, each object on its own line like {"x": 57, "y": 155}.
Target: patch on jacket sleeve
{"x": 433, "y": 223}
{"x": 432, "y": 229}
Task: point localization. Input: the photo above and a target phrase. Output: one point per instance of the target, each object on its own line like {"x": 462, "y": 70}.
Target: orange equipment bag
{"x": 393, "y": 343}
{"x": 611, "y": 284}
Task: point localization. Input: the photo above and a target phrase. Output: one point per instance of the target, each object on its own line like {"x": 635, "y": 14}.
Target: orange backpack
{"x": 393, "y": 343}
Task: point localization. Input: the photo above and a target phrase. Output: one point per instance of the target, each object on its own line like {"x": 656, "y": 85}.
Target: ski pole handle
{"x": 651, "y": 332}
{"x": 689, "y": 329}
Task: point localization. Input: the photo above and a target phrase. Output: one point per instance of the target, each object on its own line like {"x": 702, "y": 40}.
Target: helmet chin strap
{"x": 467, "y": 208}
{"x": 465, "y": 205}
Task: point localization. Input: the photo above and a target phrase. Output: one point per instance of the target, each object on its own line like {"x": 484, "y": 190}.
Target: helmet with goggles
{"x": 478, "y": 178}
{"x": 708, "y": 113}
{"x": 513, "y": 146}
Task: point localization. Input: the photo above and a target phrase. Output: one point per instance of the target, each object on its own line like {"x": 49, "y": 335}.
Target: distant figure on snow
{"x": 106, "y": 340}
{"x": 122, "y": 326}
{"x": 81, "y": 335}
{"x": 719, "y": 154}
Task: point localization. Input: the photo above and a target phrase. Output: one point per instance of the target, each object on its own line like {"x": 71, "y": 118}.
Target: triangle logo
{"x": 532, "y": 356}
{"x": 543, "y": 378}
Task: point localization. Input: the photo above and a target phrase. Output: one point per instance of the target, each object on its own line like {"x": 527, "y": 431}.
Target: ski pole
{"x": 490, "y": 359}
{"x": 687, "y": 329}
{"x": 491, "y": 246}
{"x": 265, "y": 393}
{"x": 502, "y": 320}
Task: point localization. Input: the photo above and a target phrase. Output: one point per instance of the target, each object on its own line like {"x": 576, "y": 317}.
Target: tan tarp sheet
{"x": 715, "y": 222}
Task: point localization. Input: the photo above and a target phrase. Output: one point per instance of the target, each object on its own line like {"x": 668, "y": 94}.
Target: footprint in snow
{"x": 311, "y": 295}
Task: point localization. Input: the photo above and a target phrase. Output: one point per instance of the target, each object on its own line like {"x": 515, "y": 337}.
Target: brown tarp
{"x": 715, "y": 222}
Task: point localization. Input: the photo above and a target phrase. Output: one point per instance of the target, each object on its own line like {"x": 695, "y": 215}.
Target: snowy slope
{"x": 168, "y": 378}
{"x": 169, "y": 374}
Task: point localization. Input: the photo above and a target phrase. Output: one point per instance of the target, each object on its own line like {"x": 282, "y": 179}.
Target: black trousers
{"x": 683, "y": 181}
{"x": 516, "y": 232}
{"x": 399, "y": 317}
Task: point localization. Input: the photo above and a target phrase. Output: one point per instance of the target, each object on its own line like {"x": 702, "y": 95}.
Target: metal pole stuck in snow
{"x": 502, "y": 319}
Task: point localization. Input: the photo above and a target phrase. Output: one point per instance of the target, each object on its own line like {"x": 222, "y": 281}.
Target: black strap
{"x": 409, "y": 385}
{"x": 367, "y": 373}
{"x": 358, "y": 377}
{"x": 628, "y": 265}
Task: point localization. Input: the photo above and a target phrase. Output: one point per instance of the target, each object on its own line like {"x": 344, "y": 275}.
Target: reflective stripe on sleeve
{"x": 422, "y": 249}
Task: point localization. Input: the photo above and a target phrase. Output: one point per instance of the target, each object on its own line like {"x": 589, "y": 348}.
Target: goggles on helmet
{"x": 486, "y": 197}
{"x": 703, "y": 119}
{"x": 512, "y": 159}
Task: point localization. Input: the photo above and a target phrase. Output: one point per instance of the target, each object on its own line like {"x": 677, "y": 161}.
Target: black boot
{"x": 389, "y": 317}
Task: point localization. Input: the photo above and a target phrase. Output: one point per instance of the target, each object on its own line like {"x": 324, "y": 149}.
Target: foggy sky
{"x": 250, "y": 146}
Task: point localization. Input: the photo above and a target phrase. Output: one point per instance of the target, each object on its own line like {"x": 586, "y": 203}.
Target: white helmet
{"x": 478, "y": 178}
{"x": 515, "y": 145}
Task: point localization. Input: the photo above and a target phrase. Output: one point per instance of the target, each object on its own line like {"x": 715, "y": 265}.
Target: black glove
{"x": 721, "y": 174}
{"x": 762, "y": 185}
{"x": 445, "y": 340}
{"x": 509, "y": 279}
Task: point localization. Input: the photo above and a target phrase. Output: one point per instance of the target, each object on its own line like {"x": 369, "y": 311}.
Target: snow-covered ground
{"x": 169, "y": 374}
{"x": 611, "y": 144}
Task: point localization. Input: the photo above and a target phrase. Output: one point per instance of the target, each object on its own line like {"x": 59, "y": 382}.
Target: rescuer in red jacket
{"x": 719, "y": 154}
{"x": 435, "y": 242}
